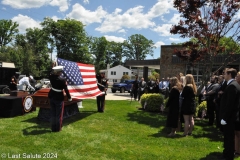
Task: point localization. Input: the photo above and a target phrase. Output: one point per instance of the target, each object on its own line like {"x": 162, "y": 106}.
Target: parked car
{"x": 123, "y": 86}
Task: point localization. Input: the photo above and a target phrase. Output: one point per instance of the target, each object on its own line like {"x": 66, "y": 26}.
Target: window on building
{"x": 125, "y": 73}
{"x": 113, "y": 72}
{"x": 114, "y": 80}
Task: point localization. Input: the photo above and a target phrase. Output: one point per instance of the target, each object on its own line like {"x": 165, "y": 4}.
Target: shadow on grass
{"x": 212, "y": 156}
{"x": 158, "y": 120}
{"x": 43, "y": 127}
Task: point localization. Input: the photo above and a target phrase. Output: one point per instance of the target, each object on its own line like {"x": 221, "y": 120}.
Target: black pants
{"x": 140, "y": 93}
{"x": 101, "y": 103}
{"x": 135, "y": 92}
{"x": 210, "y": 111}
{"x": 56, "y": 110}
{"x": 229, "y": 135}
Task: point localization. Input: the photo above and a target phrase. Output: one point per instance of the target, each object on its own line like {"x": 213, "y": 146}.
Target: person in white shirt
{"x": 25, "y": 81}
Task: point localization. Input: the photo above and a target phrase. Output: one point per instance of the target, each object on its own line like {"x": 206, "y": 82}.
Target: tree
{"x": 69, "y": 38}
{"x": 207, "y": 21}
{"x": 99, "y": 50}
{"x": 137, "y": 47}
{"x": 38, "y": 41}
{"x": 7, "y": 31}
{"x": 114, "y": 53}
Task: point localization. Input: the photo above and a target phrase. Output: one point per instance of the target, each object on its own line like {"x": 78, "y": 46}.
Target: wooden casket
{"x": 40, "y": 99}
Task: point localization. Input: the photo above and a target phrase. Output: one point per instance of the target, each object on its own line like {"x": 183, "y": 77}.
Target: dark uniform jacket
{"x": 102, "y": 83}
{"x": 58, "y": 83}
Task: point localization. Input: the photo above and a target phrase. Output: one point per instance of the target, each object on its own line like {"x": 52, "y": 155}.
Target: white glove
{"x": 223, "y": 122}
{"x": 70, "y": 99}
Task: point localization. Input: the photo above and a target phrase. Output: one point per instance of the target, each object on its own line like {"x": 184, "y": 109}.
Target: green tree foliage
{"x": 208, "y": 21}
{"x": 114, "y": 53}
{"x": 70, "y": 39}
{"x": 7, "y": 32}
{"x": 99, "y": 50}
{"x": 125, "y": 77}
{"x": 137, "y": 47}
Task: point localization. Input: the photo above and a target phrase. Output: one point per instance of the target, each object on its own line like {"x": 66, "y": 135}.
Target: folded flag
{"x": 81, "y": 79}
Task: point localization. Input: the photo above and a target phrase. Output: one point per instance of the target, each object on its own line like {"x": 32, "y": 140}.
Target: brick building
{"x": 171, "y": 65}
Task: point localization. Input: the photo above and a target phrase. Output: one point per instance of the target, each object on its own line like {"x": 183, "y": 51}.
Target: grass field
{"x": 123, "y": 132}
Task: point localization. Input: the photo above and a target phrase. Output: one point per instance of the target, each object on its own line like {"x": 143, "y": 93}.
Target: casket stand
{"x": 41, "y": 100}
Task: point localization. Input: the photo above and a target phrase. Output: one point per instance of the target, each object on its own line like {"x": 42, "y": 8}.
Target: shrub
{"x": 152, "y": 102}
{"x": 200, "y": 108}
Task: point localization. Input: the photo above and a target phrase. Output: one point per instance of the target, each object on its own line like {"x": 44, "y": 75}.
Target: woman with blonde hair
{"x": 188, "y": 104}
{"x": 173, "y": 105}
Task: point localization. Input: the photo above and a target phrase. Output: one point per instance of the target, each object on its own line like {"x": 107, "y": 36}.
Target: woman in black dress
{"x": 173, "y": 104}
{"x": 188, "y": 104}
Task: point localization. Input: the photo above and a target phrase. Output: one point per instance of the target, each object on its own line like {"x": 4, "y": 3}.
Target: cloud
{"x": 62, "y": 4}
{"x": 86, "y": 16}
{"x": 158, "y": 44}
{"x": 174, "y": 39}
{"x": 122, "y": 31}
{"x": 25, "y": 22}
{"x": 86, "y": 1}
{"x": 134, "y": 17}
{"x": 175, "y": 19}
{"x": 26, "y": 4}
{"x": 114, "y": 38}
{"x": 163, "y": 30}
{"x": 160, "y": 8}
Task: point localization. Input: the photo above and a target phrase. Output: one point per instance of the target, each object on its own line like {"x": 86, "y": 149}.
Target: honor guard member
{"x": 56, "y": 97}
{"x": 25, "y": 81}
{"x": 103, "y": 86}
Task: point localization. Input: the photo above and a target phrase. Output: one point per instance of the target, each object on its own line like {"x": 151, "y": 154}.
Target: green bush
{"x": 200, "y": 108}
{"x": 153, "y": 102}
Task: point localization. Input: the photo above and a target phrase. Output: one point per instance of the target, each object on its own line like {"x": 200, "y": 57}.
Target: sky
{"x": 115, "y": 19}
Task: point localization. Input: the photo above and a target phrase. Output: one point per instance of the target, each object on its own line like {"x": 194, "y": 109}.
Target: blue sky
{"x": 114, "y": 19}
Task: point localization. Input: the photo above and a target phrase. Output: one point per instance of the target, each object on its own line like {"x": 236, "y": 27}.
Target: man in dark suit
{"x": 134, "y": 89}
{"x": 211, "y": 90}
{"x": 229, "y": 107}
{"x": 141, "y": 88}
{"x": 218, "y": 96}
{"x": 151, "y": 86}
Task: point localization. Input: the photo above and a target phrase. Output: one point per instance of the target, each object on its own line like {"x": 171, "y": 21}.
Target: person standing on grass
{"x": 141, "y": 88}
{"x": 135, "y": 88}
{"x": 209, "y": 94}
{"x": 188, "y": 104}
{"x": 237, "y": 127}
{"x": 103, "y": 86}
{"x": 229, "y": 108}
{"x": 56, "y": 97}
{"x": 173, "y": 105}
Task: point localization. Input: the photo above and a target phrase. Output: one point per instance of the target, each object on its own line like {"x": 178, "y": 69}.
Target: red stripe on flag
{"x": 89, "y": 89}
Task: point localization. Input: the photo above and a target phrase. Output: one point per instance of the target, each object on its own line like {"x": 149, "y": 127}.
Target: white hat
{"x": 58, "y": 68}
{"x": 31, "y": 77}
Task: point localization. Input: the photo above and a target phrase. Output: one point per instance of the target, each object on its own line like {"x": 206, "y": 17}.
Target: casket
{"x": 19, "y": 93}
{"x": 40, "y": 99}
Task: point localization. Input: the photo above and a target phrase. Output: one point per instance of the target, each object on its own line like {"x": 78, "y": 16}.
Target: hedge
{"x": 152, "y": 102}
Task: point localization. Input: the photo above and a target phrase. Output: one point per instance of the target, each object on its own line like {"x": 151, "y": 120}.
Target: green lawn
{"x": 123, "y": 132}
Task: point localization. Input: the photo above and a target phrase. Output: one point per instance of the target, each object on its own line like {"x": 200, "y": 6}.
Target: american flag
{"x": 81, "y": 79}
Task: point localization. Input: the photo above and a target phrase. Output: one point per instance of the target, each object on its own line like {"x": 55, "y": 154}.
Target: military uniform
{"x": 56, "y": 97}
{"x": 102, "y": 85}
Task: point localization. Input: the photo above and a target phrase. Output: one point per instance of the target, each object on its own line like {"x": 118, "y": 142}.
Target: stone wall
{"x": 167, "y": 68}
